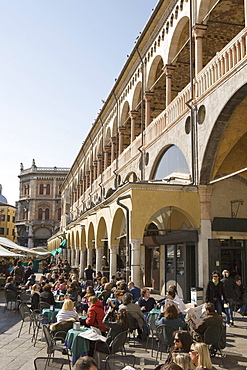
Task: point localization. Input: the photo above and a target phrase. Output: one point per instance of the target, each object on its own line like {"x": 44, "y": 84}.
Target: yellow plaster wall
{"x": 146, "y": 202}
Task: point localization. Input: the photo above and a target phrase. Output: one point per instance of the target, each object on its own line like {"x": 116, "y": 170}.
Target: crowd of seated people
{"x": 112, "y": 306}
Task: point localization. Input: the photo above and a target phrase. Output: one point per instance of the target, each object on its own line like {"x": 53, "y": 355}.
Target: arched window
{"x": 40, "y": 212}
{"x": 41, "y": 189}
{"x": 47, "y": 214}
{"x": 48, "y": 189}
{"x": 172, "y": 165}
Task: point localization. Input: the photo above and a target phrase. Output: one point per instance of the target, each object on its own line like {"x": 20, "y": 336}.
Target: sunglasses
{"x": 192, "y": 350}
{"x": 177, "y": 340}
{"x": 215, "y": 276}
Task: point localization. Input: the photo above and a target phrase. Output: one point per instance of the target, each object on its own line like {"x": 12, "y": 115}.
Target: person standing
{"x": 215, "y": 291}
{"x": 29, "y": 271}
{"x": 18, "y": 274}
{"x": 230, "y": 289}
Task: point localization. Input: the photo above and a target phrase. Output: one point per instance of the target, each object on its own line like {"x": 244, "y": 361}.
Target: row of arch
{"x": 145, "y": 98}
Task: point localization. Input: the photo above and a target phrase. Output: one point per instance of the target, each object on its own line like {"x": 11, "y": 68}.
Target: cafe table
{"x": 78, "y": 346}
{"x": 50, "y": 315}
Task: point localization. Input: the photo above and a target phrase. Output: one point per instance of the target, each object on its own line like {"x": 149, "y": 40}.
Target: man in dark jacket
{"x": 18, "y": 273}
{"x": 212, "y": 319}
{"x": 29, "y": 271}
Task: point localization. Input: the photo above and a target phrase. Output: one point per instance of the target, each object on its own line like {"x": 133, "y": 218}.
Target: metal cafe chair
{"x": 47, "y": 363}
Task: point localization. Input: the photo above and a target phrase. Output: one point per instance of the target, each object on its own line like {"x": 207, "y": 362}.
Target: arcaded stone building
{"x": 39, "y": 205}
{"x": 159, "y": 185}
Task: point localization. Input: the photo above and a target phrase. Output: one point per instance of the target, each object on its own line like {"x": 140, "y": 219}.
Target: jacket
{"x": 212, "y": 319}
{"x": 96, "y": 315}
{"x": 18, "y": 274}
{"x": 135, "y": 311}
{"x": 214, "y": 292}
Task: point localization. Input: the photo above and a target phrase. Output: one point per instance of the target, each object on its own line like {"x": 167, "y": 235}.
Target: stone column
{"x": 99, "y": 165}
{"x": 106, "y": 153}
{"x": 68, "y": 255}
{"x": 148, "y": 98}
{"x": 168, "y": 71}
{"x": 245, "y": 12}
{"x": 91, "y": 175}
{"x": 30, "y": 237}
{"x": 199, "y": 31}
{"x": 133, "y": 114}
{"x": 87, "y": 179}
{"x": 136, "y": 261}
{"x": 121, "y": 138}
{"x": 113, "y": 259}
{"x": 82, "y": 263}
{"x": 113, "y": 148}
{"x": 72, "y": 256}
{"x": 205, "y": 233}
{"x": 95, "y": 169}
{"x": 99, "y": 255}
{"x": 90, "y": 256}
{"x": 77, "y": 257}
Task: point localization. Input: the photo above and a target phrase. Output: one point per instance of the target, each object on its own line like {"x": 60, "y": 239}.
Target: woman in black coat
{"x": 215, "y": 291}
{"x": 47, "y": 296}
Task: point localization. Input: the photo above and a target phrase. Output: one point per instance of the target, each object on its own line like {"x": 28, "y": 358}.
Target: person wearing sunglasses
{"x": 200, "y": 356}
{"x": 182, "y": 342}
{"x": 215, "y": 291}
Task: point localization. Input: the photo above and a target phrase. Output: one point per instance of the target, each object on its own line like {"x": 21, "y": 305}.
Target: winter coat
{"x": 96, "y": 315}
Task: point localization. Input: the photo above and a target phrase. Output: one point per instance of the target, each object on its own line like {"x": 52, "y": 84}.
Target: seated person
{"x": 134, "y": 290}
{"x": 115, "y": 302}
{"x": 35, "y": 297}
{"x": 85, "y": 363}
{"x": 117, "y": 323}
{"x": 170, "y": 317}
{"x": 10, "y": 285}
{"x": 173, "y": 297}
{"x": 134, "y": 310}
{"x": 30, "y": 281}
{"x": 146, "y": 303}
{"x": 60, "y": 285}
{"x": 106, "y": 293}
{"x": 72, "y": 292}
{"x": 211, "y": 319}
{"x": 182, "y": 342}
{"x": 85, "y": 299}
{"x": 67, "y": 312}
{"x": 95, "y": 314}
{"x": 47, "y": 296}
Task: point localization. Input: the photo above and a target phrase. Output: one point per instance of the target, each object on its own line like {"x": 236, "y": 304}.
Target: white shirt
{"x": 65, "y": 315}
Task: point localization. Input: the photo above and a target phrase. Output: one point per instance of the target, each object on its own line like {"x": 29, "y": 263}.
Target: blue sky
{"x": 59, "y": 58}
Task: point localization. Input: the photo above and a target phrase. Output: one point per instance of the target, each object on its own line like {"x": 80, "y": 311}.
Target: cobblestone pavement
{"x": 19, "y": 353}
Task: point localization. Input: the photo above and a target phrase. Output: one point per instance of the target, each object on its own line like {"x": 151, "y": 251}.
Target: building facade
{"x": 159, "y": 185}
{"x": 39, "y": 205}
{"x": 7, "y": 218}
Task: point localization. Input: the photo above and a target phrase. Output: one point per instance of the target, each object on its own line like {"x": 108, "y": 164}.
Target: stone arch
{"x": 176, "y": 43}
{"x": 131, "y": 177}
{"x": 152, "y": 74}
{"x": 210, "y": 159}
{"x": 101, "y": 232}
{"x": 164, "y": 164}
{"x": 118, "y": 227}
{"x": 91, "y": 236}
{"x": 137, "y": 96}
{"x": 83, "y": 238}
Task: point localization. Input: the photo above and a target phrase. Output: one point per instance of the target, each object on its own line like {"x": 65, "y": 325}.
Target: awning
{"x": 63, "y": 243}
{"x": 55, "y": 251}
{"x": 180, "y": 236}
{"x": 5, "y": 253}
{"x": 9, "y": 244}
